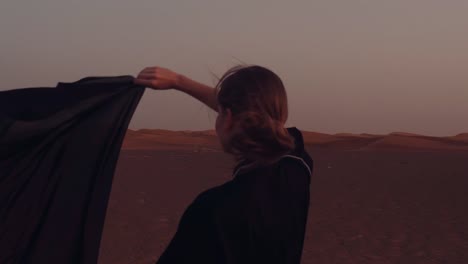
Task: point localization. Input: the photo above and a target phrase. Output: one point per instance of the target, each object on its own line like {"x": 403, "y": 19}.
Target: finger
{"x": 147, "y": 83}
{"x": 142, "y": 82}
{"x": 149, "y": 69}
{"x": 146, "y": 70}
{"x": 146, "y": 76}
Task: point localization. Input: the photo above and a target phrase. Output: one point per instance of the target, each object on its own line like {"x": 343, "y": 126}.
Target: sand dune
{"x": 363, "y": 135}
{"x": 461, "y": 137}
{"x": 207, "y": 140}
{"x": 409, "y": 142}
{"x": 165, "y": 139}
{"x": 317, "y": 138}
{"x": 405, "y": 134}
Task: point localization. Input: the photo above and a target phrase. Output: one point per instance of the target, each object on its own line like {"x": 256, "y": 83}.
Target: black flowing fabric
{"x": 257, "y": 217}
{"x": 58, "y": 151}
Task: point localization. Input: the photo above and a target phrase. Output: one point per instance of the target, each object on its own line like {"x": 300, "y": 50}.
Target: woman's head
{"x": 252, "y": 111}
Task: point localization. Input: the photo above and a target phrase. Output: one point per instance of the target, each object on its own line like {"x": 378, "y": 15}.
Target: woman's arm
{"x": 159, "y": 78}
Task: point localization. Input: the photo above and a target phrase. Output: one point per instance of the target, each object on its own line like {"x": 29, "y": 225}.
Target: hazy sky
{"x": 357, "y": 66}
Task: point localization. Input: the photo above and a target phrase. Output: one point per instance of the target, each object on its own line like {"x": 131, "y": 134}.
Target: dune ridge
{"x": 206, "y": 140}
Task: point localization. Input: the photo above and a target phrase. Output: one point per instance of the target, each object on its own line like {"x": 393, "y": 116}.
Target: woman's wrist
{"x": 181, "y": 83}
{"x": 202, "y": 92}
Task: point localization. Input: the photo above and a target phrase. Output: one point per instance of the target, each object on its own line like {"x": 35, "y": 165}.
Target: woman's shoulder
{"x": 212, "y": 194}
{"x": 293, "y": 162}
{"x": 299, "y": 152}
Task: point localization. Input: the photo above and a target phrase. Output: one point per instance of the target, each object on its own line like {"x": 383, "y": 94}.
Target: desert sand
{"x": 397, "y": 198}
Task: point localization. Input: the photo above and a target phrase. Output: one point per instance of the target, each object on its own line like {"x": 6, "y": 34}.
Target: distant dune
{"x": 399, "y": 142}
{"x": 207, "y": 141}
{"x": 462, "y": 137}
{"x": 166, "y": 139}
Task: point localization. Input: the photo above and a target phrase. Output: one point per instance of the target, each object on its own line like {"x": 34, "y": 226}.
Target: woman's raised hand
{"x": 158, "y": 78}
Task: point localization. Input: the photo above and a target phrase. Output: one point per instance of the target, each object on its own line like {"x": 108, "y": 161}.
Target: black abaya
{"x": 58, "y": 151}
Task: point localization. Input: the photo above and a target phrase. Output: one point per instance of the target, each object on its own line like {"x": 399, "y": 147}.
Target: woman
{"x": 260, "y": 215}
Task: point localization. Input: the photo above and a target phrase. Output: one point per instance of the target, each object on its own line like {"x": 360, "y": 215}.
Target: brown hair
{"x": 257, "y": 99}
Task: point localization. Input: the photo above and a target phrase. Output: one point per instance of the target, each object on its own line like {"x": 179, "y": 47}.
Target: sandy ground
{"x": 366, "y": 206}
